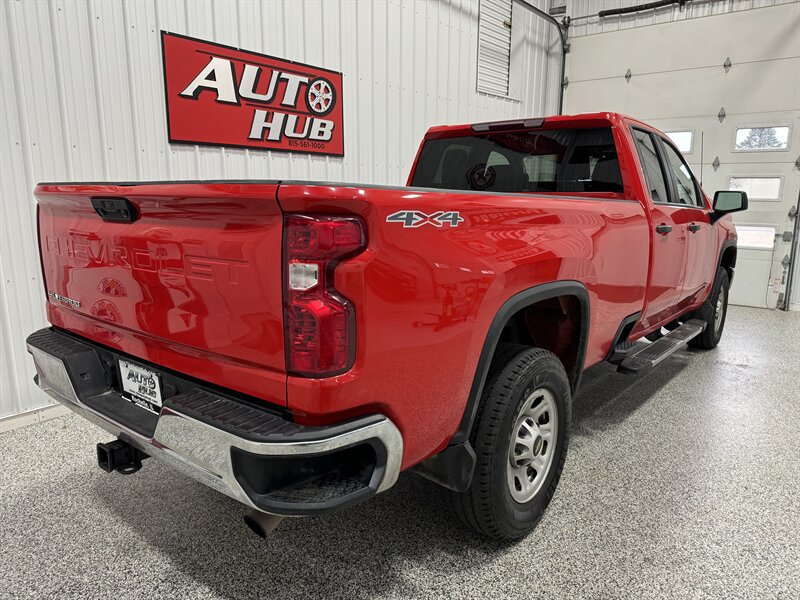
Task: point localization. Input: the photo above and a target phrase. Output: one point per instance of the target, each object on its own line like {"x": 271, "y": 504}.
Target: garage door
{"x": 727, "y": 89}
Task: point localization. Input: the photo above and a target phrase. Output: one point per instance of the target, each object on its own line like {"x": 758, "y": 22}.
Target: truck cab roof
{"x": 582, "y": 120}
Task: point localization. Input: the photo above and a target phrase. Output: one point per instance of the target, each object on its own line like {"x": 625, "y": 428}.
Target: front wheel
{"x": 520, "y": 441}
{"x": 713, "y": 313}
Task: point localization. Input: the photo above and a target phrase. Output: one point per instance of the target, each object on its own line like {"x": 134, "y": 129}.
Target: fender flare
{"x": 510, "y": 307}
{"x": 453, "y": 467}
{"x": 725, "y": 245}
{"x": 628, "y": 323}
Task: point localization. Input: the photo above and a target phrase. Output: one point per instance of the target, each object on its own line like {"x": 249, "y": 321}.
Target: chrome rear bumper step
{"x": 257, "y": 456}
{"x": 652, "y": 354}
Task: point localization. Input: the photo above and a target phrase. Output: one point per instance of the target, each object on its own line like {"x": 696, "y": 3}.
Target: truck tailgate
{"x": 190, "y": 282}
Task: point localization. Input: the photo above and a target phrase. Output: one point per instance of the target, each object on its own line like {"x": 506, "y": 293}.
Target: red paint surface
{"x": 193, "y": 285}
{"x": 424, "y": 297}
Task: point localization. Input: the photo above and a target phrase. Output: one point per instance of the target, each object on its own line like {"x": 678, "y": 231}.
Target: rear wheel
{"x": 520, "y": 439}
{"x": 713, "y": 313}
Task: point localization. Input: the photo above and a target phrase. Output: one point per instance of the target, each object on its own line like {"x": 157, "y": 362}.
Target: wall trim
{"x": 30, "y": 417}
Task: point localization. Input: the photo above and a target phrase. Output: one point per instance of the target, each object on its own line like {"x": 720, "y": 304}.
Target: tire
{"x": 529, "y": 392}
{"x": 656, "y": 335}
{"x": 502, "y": 355}
{"x": 713, "y": 313}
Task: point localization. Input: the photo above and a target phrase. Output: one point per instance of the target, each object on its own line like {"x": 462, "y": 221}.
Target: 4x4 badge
{"x": 416, "y": 218}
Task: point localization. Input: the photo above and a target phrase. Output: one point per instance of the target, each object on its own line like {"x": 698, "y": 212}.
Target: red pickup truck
{"x": 296, "y": 345}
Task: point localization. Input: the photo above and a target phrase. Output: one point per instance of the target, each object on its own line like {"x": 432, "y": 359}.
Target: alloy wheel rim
{"x": 533, "y": 445}
{"x": 320, "y": 96}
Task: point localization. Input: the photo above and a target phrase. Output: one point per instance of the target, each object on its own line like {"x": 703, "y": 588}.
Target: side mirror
{"x": 728, "y": 201}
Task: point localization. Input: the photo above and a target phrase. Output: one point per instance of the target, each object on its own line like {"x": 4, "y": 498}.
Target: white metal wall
{"x": 494, "y": 46}
{"x": 82, "y": 99}
{"x": 585, "y": 21}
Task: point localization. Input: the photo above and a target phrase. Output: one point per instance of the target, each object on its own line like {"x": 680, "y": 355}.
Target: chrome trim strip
{"x": 203, "y": 452}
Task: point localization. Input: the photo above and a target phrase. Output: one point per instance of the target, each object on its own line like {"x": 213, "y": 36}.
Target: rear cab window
{"x": 573, "y": 161}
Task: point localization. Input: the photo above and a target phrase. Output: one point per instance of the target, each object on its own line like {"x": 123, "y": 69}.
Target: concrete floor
{"x": 681, "y": 483}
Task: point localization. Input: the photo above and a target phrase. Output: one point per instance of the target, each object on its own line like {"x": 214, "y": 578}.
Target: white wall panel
{"x": 585, "y": 20}
{"x": 795, "y": 294}
{"x": 83, "y": 99}
{"x": 494, "y": 46}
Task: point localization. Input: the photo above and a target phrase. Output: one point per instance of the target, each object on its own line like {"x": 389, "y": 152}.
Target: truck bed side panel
{"x": 425, "y": 296}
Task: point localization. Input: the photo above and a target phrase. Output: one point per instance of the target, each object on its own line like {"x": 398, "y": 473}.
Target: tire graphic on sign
{"x": 321, "y": 96}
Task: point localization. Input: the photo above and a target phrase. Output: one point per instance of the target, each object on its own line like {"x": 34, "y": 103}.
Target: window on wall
{"x": 750, "y": 139}
{"x": 494, "y": 46}
{"x": 758, "y": 188}
{"x": 755, "y": 237}
{"x": 682, "y": 140}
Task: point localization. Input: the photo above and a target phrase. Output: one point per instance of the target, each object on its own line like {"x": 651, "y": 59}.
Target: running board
{"x": 621, "y": 352}
{"x": 654, "y": 353}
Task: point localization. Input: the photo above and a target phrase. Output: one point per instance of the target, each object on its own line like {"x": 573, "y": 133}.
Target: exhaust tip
{"x": 254, "y": 526}
{"x": 261, "y": 523}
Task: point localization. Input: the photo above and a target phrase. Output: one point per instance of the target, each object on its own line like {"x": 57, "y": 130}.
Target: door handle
{"x": 663, "y": 229}
{"x": 694, "y": 227}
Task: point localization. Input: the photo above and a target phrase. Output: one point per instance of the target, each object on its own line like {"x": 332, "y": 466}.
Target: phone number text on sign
{"x": 224, "y": 96}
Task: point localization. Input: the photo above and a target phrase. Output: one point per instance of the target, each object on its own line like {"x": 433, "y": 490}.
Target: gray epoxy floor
{"x": 682, "y": 483}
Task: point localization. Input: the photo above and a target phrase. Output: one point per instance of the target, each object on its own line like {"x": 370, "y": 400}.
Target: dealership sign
{"x": 224, "y": 96}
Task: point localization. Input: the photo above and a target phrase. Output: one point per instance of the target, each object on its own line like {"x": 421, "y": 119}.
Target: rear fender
{"x": 514, "y": 304}
{"x": 453, "y": 467}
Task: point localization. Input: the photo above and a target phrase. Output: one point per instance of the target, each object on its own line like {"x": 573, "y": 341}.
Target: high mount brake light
{"x": 506, "y": 125}
{"x": 319, "y": 323}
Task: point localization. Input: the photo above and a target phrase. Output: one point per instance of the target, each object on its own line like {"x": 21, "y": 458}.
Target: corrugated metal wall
{"x": 579, "y": 10}
{"x": 82, "y": 99}
{"x": 494, "y": 46}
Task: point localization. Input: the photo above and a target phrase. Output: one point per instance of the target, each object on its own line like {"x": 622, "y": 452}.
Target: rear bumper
{"x": 258, "y": 457}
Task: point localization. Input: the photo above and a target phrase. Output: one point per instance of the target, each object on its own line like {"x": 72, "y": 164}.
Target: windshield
{"x": 558, "y": 160}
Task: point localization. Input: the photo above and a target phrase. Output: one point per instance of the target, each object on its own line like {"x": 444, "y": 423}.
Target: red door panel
{"x": 670, "y": 250}
{"x": 700, "y": 261}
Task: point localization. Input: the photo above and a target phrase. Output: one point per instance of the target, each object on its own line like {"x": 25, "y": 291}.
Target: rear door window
{"x": 653, "y": 174}
{"x": 558, "y": 160}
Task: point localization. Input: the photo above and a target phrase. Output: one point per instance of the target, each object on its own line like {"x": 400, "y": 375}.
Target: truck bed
{"x": 195, "y": 282}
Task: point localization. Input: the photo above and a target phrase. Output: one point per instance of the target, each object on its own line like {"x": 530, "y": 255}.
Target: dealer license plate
{"x": 141, "y": 385}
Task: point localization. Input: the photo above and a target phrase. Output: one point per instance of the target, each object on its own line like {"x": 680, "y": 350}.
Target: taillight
{"x": 320, "y": 324}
